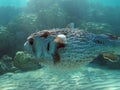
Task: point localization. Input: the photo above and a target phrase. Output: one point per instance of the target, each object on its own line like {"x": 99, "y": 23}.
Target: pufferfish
{"x": 69, "y": 48}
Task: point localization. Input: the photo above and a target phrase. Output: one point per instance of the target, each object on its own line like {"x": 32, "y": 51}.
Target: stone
{"x": 25, "y": 61}
{"x": 6, "y": 64}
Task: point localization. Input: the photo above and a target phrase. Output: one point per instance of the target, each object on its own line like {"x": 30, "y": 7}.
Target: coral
{"x": 19, "y": 29}
{"x": 22, "y": 61}
{"x": 6, "y": 64}
{"x": 54, "y": 17}
{"x": 25, "y": 61}
{"x": 35, "y": 5}
{"x": 49, "y": 13}
{"x": 77, "y": 10}
{"x": 23, "y": 23}
{"x": 6, "y": 39}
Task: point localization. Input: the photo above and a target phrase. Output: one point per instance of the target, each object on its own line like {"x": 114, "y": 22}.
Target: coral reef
{"x": 21, "y": 62}
{"x": 54, "y": 17}
{"x": 25, "y": 61}
{"x": 14, "y": 34}
{"x": 6, "y": 64}
{"x": 23, "y": 23}
{"x": 78, "y": 11}
{"x": 6, "y": 39}
{"x": 49, "y": 13}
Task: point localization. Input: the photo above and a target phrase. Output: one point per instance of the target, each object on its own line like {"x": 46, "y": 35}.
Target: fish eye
{"x": 31, "y": 41}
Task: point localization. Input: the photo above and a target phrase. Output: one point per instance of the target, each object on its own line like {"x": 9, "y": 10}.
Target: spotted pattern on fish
{"x": 81, "y": 48}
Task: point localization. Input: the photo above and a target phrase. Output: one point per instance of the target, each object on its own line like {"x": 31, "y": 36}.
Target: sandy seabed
{"x": 86, "y": 78}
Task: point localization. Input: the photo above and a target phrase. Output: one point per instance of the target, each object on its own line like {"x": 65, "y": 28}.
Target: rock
{"x": 25, "y": 61}
{"x": 108, "y": 60}
{"x": 6, "y": 64}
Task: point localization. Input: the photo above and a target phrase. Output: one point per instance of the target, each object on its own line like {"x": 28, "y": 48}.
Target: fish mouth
{"x": 110, "y": 57}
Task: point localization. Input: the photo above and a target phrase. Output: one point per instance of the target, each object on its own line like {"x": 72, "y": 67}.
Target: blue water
{"x": 112, "y": 3}
{"x": 20, "y": 3}
{"x": 16, "y": 3}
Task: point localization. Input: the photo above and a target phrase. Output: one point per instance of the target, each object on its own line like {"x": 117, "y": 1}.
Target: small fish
{"x": 69, "y": 48}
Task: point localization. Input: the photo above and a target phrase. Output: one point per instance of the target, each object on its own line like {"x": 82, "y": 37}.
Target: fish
{"x": 69, "y": 48}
